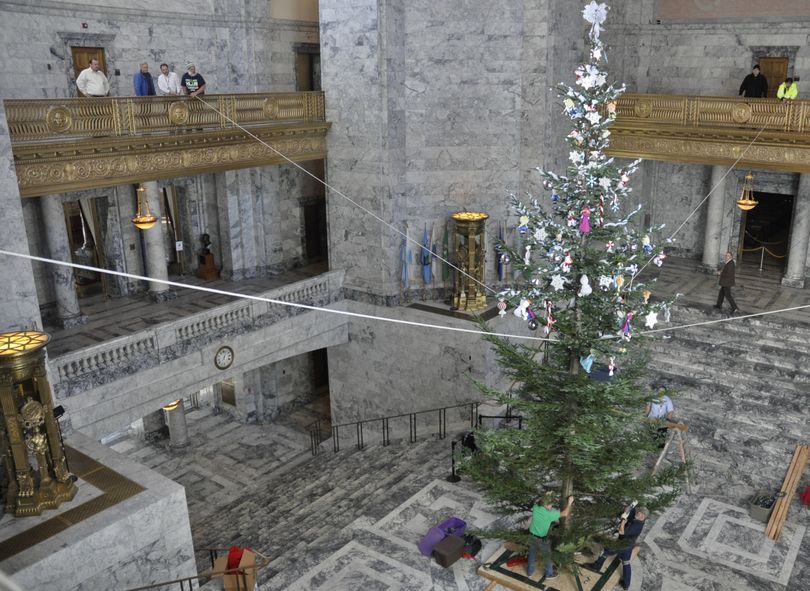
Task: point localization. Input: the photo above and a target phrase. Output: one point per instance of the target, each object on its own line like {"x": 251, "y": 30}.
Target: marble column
{"x": 176, "y": 420}
{"x": 68, "y": 312}
{"x": 714, "y": 220}
{"x": 799, "y": 236}
{"x": 155, "y": 247}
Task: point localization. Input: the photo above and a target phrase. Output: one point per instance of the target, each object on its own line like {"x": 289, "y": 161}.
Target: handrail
{"x": 37, "y": 120}
{"x": 241, "y": 581}
{"x": 315, "y": 430}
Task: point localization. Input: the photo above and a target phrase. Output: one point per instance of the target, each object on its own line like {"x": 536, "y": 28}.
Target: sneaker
{"x": 623, "y": 586}
{"x": 733, "y": 312}
{"x": 717, "y": 307}
{"x": 553, "y": 575}
{"x": 591, "y": 566}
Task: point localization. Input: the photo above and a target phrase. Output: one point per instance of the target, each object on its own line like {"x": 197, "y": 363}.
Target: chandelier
{"x": 746, "y": 201}
{"x": 144, "y": 219}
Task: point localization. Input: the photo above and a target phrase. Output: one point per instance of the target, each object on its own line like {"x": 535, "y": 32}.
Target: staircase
{"x": 743, "y": 389}
{"x": 331, "y": 491}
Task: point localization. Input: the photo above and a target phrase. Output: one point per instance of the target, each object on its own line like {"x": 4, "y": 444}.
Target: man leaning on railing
{"x": 92, "y": 81}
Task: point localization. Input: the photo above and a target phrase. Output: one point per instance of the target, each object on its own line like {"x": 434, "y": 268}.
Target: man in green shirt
{"x": 543, "y": 515}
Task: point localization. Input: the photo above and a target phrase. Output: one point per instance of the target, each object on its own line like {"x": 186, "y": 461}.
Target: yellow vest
{"x": 787, "y": 92}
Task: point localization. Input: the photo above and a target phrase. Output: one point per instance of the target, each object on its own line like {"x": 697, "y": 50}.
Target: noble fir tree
{"x": 579, "y": 261}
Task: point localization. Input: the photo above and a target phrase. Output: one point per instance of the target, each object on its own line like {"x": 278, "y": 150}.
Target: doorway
{"x": 767, "y": 232}
{"x": 775, "y": 70}
{"x": 315, "y": 241}
{"x": 171, "y": 226}
{"x": 82, "y": 57}
{"x": 81, "y": 218}
{"x": 307, "y": 67}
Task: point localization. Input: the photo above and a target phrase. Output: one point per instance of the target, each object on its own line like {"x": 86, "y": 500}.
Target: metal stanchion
{"x": 453, "y": 476}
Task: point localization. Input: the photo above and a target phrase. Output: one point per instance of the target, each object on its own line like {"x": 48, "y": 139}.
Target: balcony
{"x": 714, "y": 130}
{"x": 62, "y": 145}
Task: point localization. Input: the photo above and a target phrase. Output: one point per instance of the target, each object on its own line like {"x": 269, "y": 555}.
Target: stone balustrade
{"x": 54, "y": 119}
{"x": 117, "y": 358}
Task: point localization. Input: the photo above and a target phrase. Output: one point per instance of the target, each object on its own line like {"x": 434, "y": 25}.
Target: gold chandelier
{"x": 746, "y": 202}
{"x": 143, "y": 219}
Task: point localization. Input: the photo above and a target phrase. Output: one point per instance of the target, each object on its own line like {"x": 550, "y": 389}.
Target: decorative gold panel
{"x": 56, "y": 167}
{"x": 44, "y": 119}
{"x": 714, "y": 130}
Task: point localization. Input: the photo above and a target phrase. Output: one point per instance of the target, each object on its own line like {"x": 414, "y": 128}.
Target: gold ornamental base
{"x": 48, "y": 496}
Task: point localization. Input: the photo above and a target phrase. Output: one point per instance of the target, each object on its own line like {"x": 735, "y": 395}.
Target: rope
{"x": 269, "y": 300}
{"x": 759, "y": 248}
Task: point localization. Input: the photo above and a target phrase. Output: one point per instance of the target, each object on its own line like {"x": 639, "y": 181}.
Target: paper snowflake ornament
{"x": 596, "y": 14}
{"x": 540, "y": 234}
{"x": 651, "y": 319}
{"x": 594, "y": 118}
{"x": 557, "y": 282}
{"x": 605, "y": 282}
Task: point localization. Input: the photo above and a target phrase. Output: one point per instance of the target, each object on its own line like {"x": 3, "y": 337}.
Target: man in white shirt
{"x": 660, "y": 409}
{"x": 168, "y": 82}
{"x": 92, "y": 81}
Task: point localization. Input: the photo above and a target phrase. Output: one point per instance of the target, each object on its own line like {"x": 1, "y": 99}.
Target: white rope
{"x": 346, "y": 197}
{"x": 269, "y": 300}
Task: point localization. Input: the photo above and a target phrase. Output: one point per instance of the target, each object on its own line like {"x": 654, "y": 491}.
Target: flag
{"x": 427, "y": 258}
{"x": 499, "y": 253}
{"x": 404, "y": 259}
{"x": 445, "y": 255}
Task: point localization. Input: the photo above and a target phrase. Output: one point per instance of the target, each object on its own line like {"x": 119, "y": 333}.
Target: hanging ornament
{"x": 626, "y": 328}
{"x": 555, "y": 198}
{"x": 501, "y": 307}
{"x": 549, "y": 318}
{"x": 540, "y": 234}
{"x": 632, "y": 269}
{"x": 645, "y": 244}
{"x": 567, "y": 262}
{"x": 651, "y": 319}
{"x": 605, "y": 282}
{"x": 571, "y": 220}
{"x": 533, "y": 324}
{"x": 584, "y": 287}
{"x": 527, "y": 258}
{"x": 601, "y": 210}
{"x": 586, "y": 362}
{"x": 647, "y": 293}
{"x": 666, "y": 314}
{"x": 619, "y": 282}
{"x": 659, "y": 259}
{"x": 522, "y": 310}
{"x": 610, "y": 246}
{"x": 585, "y": 220}
{"x": 612, "y": 366}
{"x": 524, "y": 224}
{"x": 557, "y": 282}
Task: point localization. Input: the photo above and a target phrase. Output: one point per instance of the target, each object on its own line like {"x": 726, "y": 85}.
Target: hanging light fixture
{"x": 746, "y": 201}
{"x": 145, "y": 220}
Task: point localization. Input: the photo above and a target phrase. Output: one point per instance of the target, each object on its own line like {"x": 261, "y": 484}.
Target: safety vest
{"x": 787, "y": 92}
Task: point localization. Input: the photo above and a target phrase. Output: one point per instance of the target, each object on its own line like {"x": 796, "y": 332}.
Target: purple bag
{"x": 454, "y": 526}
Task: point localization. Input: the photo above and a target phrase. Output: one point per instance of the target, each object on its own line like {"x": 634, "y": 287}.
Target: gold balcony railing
{"x": 54, "y": 119}
{"x": 754, "y": 133}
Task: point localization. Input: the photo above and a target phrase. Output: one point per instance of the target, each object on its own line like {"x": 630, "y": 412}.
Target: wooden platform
{"x": 515, "y": 577}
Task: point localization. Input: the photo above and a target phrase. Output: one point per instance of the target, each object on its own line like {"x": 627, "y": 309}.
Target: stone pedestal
{"x": 155, "y": 248}
{"x": 799, "y": 236}
{"x": 176, "y": 420}
{"x": 67, "y": 301}
{"x": 714, "y": 220}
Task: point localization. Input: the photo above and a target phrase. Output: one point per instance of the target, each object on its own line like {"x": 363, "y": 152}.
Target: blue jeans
{"x": 544, "y": 545}
{"x": 624, "y": 554}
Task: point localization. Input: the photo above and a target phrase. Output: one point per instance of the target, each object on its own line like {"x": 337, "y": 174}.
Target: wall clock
{"x": 223, "y": 358}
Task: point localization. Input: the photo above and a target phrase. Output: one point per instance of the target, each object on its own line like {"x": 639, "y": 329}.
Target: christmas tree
{"x": 579, "y": 261}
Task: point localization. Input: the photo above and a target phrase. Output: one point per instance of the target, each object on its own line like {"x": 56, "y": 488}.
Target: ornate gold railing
{"x": 53, "y": 119}
{"x": 753, "y": 133}
{"x": 715, "y": 111}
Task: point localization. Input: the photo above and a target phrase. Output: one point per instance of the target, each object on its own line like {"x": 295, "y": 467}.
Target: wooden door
{"x": 83, "y": 55}
{"x": 775, "y": 70}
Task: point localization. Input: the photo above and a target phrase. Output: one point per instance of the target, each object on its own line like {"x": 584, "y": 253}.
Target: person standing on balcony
{"x": 193, "y": 83}
{"x": 787, "y": 90}
{"x": 726, "y": 283}
{"x": 168, "y": 82}
{"x": 92, "y": 81}
{"x": 143, "y": 83}
{"x": 755, "y": 85}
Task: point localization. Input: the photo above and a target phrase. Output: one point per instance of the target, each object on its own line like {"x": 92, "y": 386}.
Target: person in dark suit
{"x": 755, "y": 85}
{"x": 726, "y": 283}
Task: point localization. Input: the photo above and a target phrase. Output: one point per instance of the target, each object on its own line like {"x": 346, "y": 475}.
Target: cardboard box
{"x": 238, "y": 582}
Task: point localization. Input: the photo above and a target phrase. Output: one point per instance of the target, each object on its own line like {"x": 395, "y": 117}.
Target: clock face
{"x": 223, "y": 358}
